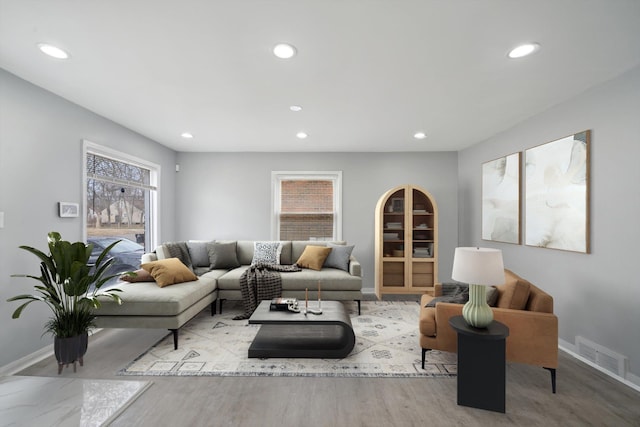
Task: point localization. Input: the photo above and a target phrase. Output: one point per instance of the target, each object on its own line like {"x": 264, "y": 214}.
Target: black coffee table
{"x": 286, "y": 334}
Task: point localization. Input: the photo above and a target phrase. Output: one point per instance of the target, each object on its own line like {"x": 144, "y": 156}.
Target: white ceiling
{"x": 369, "y": 73}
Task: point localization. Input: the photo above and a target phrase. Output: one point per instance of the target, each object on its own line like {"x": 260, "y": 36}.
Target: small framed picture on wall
{"x": 68, "y": 210}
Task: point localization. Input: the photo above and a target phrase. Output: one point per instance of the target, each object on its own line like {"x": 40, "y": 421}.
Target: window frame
{"x": 88, "y": 147}
{"x": 278, "y": 176}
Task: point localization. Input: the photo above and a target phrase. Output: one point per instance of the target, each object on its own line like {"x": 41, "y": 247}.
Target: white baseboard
{"x": 26, "y": 361}
{"x": 632, "y": 380}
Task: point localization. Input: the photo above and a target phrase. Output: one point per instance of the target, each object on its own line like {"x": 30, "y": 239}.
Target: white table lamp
{"x": 478, "y": 267}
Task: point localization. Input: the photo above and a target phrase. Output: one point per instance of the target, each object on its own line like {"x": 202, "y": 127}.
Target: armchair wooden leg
{"x": 553, "y": 378}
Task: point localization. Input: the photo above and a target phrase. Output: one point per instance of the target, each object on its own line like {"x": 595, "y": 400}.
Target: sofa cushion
{"x": 142, "y": 275}
{"x": 331, "y": 279}
{"x": 514, "y": 293}
{"x": 146, "y": 299}
{"x": 339, "y": 256}
{"x": 222, "y": 255}
{"x": 313, "y": 257}
{"x": 198, "y": 253}
{"x": 169, "y": 271}
{"x": 266, "y": 253}
{"x": 231, "y": 279}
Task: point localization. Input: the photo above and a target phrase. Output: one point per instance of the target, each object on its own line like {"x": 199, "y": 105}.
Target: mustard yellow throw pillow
{"x": 313, "y": 257}
{"x": 169, "y": 271}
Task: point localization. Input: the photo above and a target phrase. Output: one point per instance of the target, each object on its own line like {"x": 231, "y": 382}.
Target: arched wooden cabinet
{"x": 406, "y": 242}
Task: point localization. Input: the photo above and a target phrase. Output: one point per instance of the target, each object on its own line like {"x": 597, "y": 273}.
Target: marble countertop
{"x": 50, "y": 401}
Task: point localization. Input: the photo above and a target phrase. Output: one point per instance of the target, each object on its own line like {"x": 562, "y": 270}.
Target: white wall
{"x": 228, "y": 195}
{"x": 596, "y": 295}
{"x": 41, "y": 164}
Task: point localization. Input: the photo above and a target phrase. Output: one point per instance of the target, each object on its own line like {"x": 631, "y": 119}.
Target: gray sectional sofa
{"x": 146, "y": 305}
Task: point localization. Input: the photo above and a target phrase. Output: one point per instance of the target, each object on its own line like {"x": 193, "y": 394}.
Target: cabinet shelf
{"x": 415, "y": 218}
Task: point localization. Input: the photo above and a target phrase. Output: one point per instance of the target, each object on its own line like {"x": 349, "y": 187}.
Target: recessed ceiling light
{"x": 524, "y": 50}
{"x": 419, "y": 135}
{"x": 295, "y": 108}
{"x": 186, "y": 135}
{"x": 301, "y": 135}
{"x": 53, "y": 51}
{"x": 284, "y": 51}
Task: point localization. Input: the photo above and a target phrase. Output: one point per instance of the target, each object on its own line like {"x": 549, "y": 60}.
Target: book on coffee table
{"x": 283, "y": 304}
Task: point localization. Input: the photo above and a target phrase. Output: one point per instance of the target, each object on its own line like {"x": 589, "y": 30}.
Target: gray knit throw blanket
{"x": 261, "y": 282}
{"x": 179, "y": 250}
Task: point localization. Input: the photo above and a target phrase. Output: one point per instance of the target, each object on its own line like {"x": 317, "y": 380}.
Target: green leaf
{"x": 18, "y": 311}
{"x": 64, "y": 283}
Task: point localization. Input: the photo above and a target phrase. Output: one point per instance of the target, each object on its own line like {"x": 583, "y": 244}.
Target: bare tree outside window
{"x": 118, "y": 207}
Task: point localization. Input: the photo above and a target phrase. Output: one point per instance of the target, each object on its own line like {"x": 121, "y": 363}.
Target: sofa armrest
{"x": 149, "y": 257}
{"x": 355, "y": 269}
{"x": 446, "y": 335}
{"x": 533, "y": 336}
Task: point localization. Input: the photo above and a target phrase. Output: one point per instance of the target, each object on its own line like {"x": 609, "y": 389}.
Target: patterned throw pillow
{"x": 266, "y": 253}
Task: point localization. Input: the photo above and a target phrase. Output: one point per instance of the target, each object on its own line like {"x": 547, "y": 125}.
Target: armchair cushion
{"x": 514, "y": 293}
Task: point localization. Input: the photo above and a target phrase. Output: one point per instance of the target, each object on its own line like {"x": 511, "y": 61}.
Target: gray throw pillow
{"x": 492, "y": 296}
{"x": 222, "y": 255}
{"x": 199, "y": 253}
{"x": 453, "y": 291}
{"x": 266, "y": 253}
{"x": 338, "y": 257}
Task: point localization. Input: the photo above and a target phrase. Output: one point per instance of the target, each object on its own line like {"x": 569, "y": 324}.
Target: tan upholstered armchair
{"x": 524, "y": 308}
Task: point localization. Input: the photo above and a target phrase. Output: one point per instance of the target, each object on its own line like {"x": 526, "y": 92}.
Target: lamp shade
{"x": 478, "y": 266}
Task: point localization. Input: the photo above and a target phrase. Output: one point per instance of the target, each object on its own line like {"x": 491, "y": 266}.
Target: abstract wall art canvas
{"x": 501, "y": 199}
{"x": 557, "y": 194}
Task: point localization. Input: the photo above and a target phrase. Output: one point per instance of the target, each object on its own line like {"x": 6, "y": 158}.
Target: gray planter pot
{"x": 70, "y": 350}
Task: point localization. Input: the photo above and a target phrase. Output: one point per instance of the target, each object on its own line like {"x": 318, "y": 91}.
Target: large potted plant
{"x": 70, "y": 287}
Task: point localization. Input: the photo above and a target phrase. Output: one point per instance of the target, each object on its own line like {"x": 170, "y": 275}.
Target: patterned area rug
{"x": 387, "y": 345}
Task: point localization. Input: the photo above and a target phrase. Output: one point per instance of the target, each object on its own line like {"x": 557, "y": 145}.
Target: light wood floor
{"x": 584, "y": 397}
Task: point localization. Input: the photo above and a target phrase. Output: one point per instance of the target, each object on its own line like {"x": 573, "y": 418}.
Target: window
{"x": 307, "y": 205}
{"x": 120, "y": 203}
